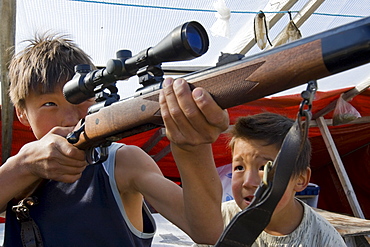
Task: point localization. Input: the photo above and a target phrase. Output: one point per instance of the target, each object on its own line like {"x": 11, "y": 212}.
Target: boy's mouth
{"x": 248, "y": 199}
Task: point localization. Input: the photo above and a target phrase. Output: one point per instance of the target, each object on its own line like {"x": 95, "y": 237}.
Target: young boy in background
{"x": 102, "y": 205}
{"x": 256, "y": 140}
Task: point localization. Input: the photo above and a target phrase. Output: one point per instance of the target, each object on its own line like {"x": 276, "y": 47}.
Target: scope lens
{"x": 194, "y": 39}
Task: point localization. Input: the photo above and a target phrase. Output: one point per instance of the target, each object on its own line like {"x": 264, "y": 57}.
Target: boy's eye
{"x": 238, "y": 168}
{"x": 262, "y": 168}
{"x": 49, "y": 104}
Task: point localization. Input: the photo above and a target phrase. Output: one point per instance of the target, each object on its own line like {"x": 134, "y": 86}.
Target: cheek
{"x": 236, "y": 184}
{"x": 40, "y": 127}
{"x": 84, "y": 106}
{"x": 260, "y": 174}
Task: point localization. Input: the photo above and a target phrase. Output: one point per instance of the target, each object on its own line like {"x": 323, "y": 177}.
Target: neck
{"x": 287, "y": 220}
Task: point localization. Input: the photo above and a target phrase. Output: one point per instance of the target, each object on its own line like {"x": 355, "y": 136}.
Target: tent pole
{"x": 154, "y": 139}
{"x": 298, "y": 19}
{"x": 339, "y": 167}
{"x": 7, "y": 41}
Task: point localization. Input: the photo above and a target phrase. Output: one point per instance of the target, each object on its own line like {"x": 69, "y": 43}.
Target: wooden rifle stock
{"x": 242, "y": 81}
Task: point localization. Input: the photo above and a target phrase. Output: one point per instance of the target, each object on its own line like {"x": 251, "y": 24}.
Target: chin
{"x": 243, "y": 204}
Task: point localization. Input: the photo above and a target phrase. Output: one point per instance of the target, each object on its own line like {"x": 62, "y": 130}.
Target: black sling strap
{"x": 248, "y": 224}
{"x": 30, "y": 233}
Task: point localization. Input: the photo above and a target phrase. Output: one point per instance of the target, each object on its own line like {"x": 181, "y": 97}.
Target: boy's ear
{"x": 22, "y": 116}
{"x": 303, "y": 180}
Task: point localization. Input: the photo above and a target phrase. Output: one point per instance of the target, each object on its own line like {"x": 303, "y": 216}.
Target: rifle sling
{"x": 30, "y": 232}
{"x": 248, "y": 224}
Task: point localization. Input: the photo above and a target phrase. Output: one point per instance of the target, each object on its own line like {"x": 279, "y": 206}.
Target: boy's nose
{"x": 251, "y": 180}
{"x": 71, "y": 115}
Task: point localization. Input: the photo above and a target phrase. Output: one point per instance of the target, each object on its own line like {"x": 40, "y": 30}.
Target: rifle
{"x": 237, "y": 82}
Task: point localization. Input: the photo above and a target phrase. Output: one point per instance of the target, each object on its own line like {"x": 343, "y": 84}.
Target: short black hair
{"x": 272, "y": 129}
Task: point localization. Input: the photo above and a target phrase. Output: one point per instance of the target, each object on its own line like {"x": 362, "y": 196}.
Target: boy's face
{"x": 249, "y": 158}
{"x": 45, "y": 111}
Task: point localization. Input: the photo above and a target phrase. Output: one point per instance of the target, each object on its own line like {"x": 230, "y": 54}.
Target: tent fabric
{"x": 101, "y": 28}
{"x": 351, "y": 140}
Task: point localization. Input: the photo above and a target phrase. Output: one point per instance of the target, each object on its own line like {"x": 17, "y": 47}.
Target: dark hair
{"x": 46, "y": 63}
{"x": 271, "y": 128}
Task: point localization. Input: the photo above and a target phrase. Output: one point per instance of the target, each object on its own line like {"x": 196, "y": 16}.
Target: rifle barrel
{"x": 242, "y": 81}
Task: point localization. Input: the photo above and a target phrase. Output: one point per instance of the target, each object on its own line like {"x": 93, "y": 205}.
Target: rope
{"x": 209, "y": 10}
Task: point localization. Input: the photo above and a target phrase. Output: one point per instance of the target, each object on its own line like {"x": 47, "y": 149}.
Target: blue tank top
{"x": 88, "y": 212}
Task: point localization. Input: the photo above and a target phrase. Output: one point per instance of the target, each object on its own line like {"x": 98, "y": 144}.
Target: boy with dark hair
{"x": 256, "y": 140}
{"x": 102, "y": 205}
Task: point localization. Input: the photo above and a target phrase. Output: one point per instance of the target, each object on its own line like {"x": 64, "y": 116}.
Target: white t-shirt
{"x": 314, "y": 230}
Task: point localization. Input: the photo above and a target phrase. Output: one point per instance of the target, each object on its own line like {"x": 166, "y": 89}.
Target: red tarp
{"x": 352, "y": 142}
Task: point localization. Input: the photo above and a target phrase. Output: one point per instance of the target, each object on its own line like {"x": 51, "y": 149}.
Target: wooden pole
{"x": 244, "y": 41}
{"x": 341, "y": 171}
{"x": 343, "y": 177}
{"x": 7, "y": 42}
{"x": 298, "y": 19}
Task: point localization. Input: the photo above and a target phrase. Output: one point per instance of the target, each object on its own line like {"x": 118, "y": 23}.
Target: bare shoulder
{"x": 130, "y": 155}
{"x": 133, "y": 165}
{"x": 127, "y": 149}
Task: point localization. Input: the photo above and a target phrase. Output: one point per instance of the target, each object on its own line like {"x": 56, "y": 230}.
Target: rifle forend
{"x": 239, "y": 82}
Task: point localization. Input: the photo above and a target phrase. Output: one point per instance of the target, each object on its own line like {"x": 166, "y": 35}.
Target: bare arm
{"x": 195, "y": 208}
{"x": 193, "y": 121}
{"x": 51, "y": 157}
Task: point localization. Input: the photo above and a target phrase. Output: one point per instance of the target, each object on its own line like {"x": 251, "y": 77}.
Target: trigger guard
{"x": 97, "y": 155}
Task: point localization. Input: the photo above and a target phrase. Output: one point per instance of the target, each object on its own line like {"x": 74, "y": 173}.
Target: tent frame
{"x": 7, "y": 42}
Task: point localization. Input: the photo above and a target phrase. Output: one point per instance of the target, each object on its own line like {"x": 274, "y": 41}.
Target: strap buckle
{"x": 22, "y": 211}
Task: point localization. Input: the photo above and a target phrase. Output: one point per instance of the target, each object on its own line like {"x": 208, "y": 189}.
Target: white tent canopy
{"x": 102, "y": 28}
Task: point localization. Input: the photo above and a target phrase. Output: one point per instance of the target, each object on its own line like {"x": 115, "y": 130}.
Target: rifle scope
{"x": 185, "y": 42}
